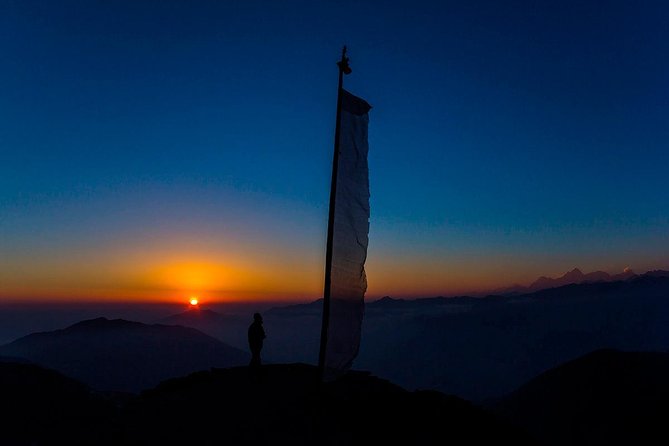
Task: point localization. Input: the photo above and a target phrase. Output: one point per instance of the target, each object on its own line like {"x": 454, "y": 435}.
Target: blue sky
{"x": 506, "y": 140}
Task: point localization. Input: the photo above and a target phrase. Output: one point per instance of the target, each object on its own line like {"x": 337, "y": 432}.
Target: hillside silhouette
{"x": 126, "y": 356}
{"x": 43, "y": 407}
{"x": 607, "y": 397}
{"x": 284, "y": 405}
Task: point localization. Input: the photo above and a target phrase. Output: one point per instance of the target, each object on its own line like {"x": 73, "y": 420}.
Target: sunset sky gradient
{"x": 154, "y": 150}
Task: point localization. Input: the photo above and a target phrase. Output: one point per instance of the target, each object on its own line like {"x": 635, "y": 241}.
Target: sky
{"x": 153, "y": 150}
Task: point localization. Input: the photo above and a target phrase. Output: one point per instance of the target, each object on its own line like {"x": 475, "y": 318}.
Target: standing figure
{"x": 256, "y": 337}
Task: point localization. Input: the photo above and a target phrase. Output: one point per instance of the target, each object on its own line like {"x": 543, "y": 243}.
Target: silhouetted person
{"x": 256, "y": 337}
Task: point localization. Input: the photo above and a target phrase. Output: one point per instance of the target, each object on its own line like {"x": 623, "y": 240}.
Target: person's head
{"x": 257, "y": 317}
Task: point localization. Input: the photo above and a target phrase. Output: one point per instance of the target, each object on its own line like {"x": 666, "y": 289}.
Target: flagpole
{"x": 343, "y": 67}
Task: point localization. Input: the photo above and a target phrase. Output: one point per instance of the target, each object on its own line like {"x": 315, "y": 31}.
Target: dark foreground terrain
{"x": 282, "y": 404}
{"x": 607, "y": 397}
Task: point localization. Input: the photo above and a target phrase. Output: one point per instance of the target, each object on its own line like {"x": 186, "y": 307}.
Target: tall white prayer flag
{"x": 350, "y": 237}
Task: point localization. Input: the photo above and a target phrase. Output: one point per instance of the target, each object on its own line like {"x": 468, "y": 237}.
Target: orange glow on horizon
{"x": 161, "y": 276}
{"x": 174, "y": 274}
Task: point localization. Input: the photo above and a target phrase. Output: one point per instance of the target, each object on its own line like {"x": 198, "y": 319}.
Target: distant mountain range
{"x": 575, "y": 276}
{"x": 482, "y": 347}
{"x": 122, "y": 355}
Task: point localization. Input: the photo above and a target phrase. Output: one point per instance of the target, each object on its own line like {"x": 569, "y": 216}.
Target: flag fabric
{"x": 350, "y": 238}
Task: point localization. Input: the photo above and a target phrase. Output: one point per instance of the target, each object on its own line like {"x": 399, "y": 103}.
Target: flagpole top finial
{"x": 343, "y": 63}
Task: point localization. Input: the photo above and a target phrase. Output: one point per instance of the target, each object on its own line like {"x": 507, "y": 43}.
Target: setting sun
{"x": 193, "y": 301}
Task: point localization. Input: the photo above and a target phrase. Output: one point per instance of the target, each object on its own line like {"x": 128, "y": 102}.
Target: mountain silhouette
{"x": 575, "y": 276}
{"x": 657, "y": 273}
{"x": 607, "y": 397}
{"x": 43, "y": 407}
{"x": 122, "y": 355}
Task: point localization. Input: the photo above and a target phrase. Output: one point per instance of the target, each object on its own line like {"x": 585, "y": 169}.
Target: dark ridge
{"x": 278, "y": 404}
{"x": 390, "y": 303}
{"x": 606, "y": 397}
{"x": 285, "y": 404}
{"x": 657, "y": 273}
{"x": 103, "y": 322}
{"x": 43, "y": 407}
